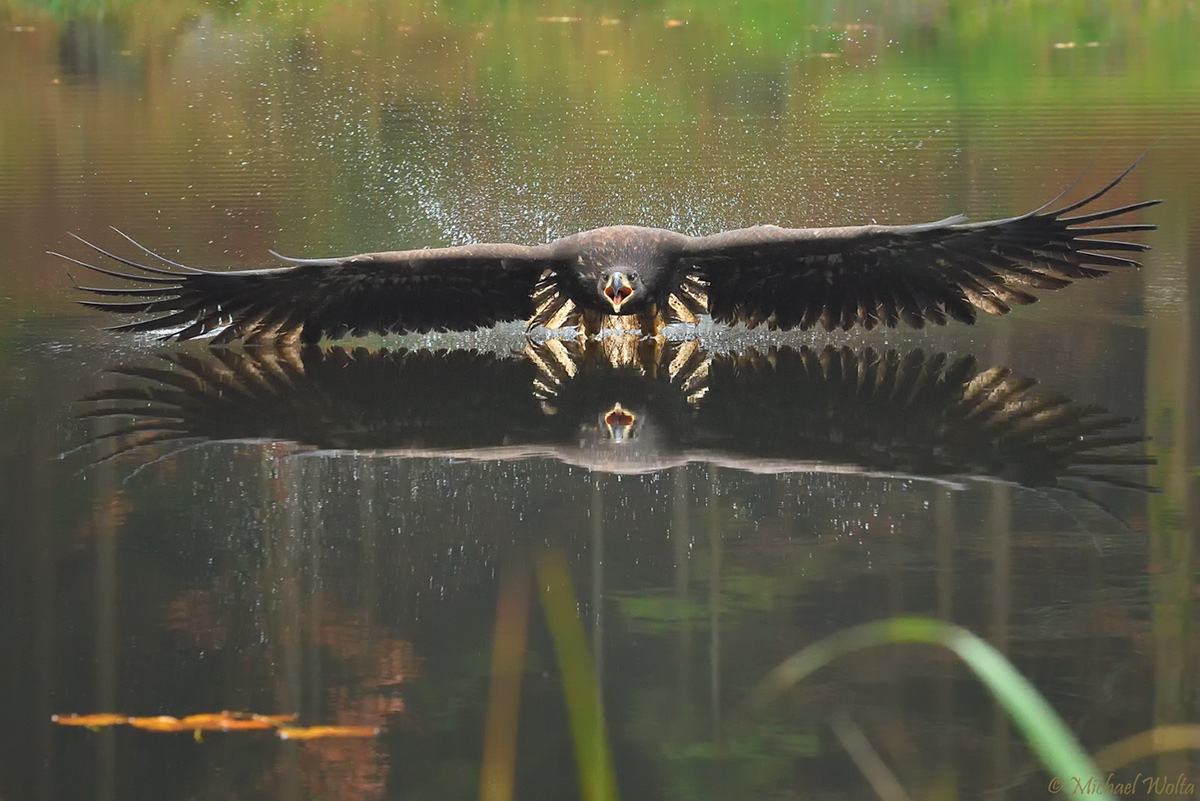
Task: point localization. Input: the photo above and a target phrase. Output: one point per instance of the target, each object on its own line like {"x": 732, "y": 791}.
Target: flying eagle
{"x": 630, "y": 277}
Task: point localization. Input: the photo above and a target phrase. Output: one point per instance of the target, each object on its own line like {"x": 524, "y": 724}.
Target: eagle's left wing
{"x": 437, "y": 289}
{"x": 874, "y": 275}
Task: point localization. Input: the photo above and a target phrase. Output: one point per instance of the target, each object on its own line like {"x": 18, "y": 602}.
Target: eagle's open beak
{"x": 617, "y": 290}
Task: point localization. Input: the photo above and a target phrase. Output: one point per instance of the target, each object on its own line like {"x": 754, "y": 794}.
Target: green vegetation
{"x": 761, "y": 760}
{"x": 596, "y": 779}
{"x": 1041, "y": 726}
{"x": 996, "y": 50}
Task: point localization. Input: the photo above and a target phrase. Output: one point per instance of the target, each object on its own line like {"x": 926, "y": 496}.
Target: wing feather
{"x": 928, "y": 273}
{"x": 446, "y": 289}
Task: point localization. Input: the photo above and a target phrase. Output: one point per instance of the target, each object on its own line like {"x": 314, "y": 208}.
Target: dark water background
{"x": 361, "y": 587}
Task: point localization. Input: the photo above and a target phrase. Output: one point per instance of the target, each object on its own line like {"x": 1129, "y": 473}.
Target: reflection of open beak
{"x": 619, "y": 423}
{"x": 617, "y": 290}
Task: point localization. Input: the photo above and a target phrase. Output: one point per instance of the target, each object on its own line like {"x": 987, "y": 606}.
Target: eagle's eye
{"x": 633, "y": 276}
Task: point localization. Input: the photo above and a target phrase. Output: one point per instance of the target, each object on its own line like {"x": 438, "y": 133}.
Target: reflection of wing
{"x": 909, "y": 414}
{"x": 327, "y": 399}
{"x": 784, "y": 410}
{"x": 443, "y": 289}
{"x": 881, "y": 274}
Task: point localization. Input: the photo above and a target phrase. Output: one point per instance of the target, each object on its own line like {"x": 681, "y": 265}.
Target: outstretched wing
{"x": 881, "y": 275}
{"x": 446, "y": 289}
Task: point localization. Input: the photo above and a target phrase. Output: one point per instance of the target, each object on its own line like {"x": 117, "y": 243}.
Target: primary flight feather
{"x": 640, "y": 278}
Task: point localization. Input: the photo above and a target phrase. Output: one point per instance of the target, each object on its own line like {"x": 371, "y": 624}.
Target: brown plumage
{"x": 643, "y": 278}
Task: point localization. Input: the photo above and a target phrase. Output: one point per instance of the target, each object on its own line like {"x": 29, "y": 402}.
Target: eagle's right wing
{"x": 886, "y": 274}
{"x": 443, "y": 289}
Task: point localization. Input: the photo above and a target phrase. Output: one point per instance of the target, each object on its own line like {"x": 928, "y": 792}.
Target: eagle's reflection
{"x": 636, "y": 406}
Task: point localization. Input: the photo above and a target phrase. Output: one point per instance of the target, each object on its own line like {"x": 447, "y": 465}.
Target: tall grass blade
{"x": 504, "y": 694}
{"x": 1052, "y": 742}
{"x": 1181, "y": 737}
{"x": 596, "y": 778}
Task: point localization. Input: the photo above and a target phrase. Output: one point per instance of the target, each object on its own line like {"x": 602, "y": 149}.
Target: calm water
{"x": 366, "y": 537}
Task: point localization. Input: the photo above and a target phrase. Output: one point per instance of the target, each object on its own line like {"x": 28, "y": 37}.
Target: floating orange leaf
{"x": 230, "y": 721}
{"x": 209, "y": 722}
{"x": 214, "y": 721}
{"x": 317, "y": 732}
{"x": 103, "y": 719}
{"x": 159, "y": 723}
{"x": 237, "y": 724}
{"x": 275, "y": 720}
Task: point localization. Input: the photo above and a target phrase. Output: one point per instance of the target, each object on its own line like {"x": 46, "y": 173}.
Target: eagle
{"x": 637, "y": 279}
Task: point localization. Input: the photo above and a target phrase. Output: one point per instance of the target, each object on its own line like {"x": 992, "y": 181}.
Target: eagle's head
{"x": 621, "y": 269}
{"x": 622, "y": 289}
